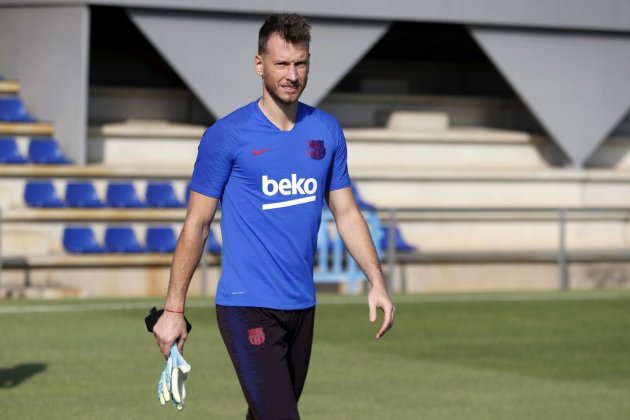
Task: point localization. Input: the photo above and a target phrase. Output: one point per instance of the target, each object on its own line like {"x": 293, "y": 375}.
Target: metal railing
{"x": 1, "y": 247}
{"x": 333, "y": 263}
{"x": 391, "y": 217}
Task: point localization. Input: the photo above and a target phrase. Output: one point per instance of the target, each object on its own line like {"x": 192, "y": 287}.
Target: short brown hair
{"x": 291, "y": 27}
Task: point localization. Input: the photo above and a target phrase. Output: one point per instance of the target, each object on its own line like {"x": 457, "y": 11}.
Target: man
{"x": 271, "y": 163}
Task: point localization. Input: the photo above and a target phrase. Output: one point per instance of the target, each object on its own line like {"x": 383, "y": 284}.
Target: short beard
{"x": 271, "y": 89}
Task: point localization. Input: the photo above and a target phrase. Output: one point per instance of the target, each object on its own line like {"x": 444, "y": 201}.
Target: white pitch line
{"x": 418, "y": 298}
{"x": 79, "y": 307}
{"x": 499, "y": 297}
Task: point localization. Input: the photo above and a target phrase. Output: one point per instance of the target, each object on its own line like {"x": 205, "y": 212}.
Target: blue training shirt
{"x": 271, "y": 184}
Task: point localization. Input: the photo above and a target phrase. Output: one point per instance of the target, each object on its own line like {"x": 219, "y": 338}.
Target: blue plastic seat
{"x": 123, "y": 194}
{"x": 360, "y": 202}
{"x": 82, "y": 194}
{"x": 161, "y": 239}
{"x": 46, "y": 151}
{"x": 122, "y": 239}
{"x": 81, "y": 240}
{"x": 42, "y": 194}
{"x": 162, "y": 194}
{"x": 13, "y": 110}
{"x": 9, "y": 152}
{"x": 401, "y": 244}
{"x": 212, "y": 244}
{"x": 187, "y": 195}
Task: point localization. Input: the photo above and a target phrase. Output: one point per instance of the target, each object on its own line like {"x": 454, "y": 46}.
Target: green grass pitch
{"x": 465, "y": 356}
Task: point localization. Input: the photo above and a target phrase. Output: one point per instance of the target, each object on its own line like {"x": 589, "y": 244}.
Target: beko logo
{"x": 289, "y": 187}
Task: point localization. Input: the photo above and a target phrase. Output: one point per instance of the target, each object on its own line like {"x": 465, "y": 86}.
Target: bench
{"x": 71, "y": 215}
{"x": 18, "y": 272}
{"x": 94, "y": 171}
{"x": 513, "y": 256}
{"x": 26, "y": 128}
{"x": 9, "y": 87}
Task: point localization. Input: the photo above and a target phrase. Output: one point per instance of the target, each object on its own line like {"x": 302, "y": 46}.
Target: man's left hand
{"x": 378, "y": 298}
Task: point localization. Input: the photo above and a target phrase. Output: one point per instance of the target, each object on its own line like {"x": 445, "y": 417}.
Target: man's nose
{"x": 292, "y": 73}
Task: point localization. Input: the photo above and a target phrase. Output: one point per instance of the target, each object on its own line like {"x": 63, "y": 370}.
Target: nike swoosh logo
{"x": 260, "y": 152}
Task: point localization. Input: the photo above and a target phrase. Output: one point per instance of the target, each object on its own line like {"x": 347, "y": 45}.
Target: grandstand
{"x": 475, "y": 179}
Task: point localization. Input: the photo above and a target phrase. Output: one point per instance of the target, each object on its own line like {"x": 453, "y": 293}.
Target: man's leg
{"x": 300, "y": 339}
{"x": 256, "y": 341}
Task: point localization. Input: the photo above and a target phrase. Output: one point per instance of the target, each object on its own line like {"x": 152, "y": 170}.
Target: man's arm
{"x": 171, "y": 325}
{"x": 356, "y": 236}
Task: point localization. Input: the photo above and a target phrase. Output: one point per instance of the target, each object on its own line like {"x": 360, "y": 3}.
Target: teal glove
{"x": 171, "y": 385}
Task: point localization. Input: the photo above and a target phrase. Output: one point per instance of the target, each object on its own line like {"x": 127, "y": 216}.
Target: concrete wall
{"x": 41, "y": 45}
{"x": 46, "y": 48}
{"x": 608, "y": 15}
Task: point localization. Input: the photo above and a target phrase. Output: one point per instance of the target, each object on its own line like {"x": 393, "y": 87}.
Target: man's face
{"x": 284, "y": 69}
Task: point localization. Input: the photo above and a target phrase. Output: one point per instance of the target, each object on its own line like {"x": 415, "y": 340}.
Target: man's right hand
{"x": 169, "y": 328}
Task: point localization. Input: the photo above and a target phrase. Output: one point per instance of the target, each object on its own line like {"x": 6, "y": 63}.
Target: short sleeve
{"x": 215, "y": 156}
{"x": 338, "y": 175}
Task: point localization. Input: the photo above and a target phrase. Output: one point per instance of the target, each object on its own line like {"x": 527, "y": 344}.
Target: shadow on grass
{"x": 14, "y": 376}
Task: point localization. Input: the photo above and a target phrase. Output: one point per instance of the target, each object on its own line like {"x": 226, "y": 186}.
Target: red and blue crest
{"x": 256, "y": 336}
{"x": 316, "y": 149}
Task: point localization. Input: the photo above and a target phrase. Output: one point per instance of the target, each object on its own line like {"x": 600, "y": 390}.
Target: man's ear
{"x": 258, "y": 64}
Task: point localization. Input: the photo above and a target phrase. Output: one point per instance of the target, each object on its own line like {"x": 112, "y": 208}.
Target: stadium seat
{"x": 187, "y": 195}
{"x": 162, "y": 194}
{"x": 9, "y": 152}
{"x": 212, "y": 244}
{"x": 12, "y": 110}
{"x": 123, "y": 194}
{"x": 160, "y": 239}
{"x": 122, "y": 239}
{"x": 82, "y": 194}
{"x": 46, "y": 151}
{"x": 80, "y": 240}
{"x": 401, "y": 245}
{"x": 360, "y": 202}
{"x": 42, "y": 194}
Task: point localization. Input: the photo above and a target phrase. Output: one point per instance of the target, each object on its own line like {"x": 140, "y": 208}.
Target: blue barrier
{"x": 333, "y": 262}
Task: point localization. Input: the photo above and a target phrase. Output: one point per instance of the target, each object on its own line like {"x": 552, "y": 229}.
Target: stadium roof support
{"x": 577, "y": 84}
{"x": 214, "y": 54}
{"x": 600, "y": 15}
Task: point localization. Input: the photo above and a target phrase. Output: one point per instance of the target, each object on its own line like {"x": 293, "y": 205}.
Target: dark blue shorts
{"x": 270, "y": 350}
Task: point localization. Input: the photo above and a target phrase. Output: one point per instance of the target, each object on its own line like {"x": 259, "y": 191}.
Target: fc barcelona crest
{"x": 316, "y": 149}
{"x": 256, "y": 336}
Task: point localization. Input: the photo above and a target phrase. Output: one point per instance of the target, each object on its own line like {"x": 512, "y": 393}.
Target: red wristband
{"x": 175, "y": 312}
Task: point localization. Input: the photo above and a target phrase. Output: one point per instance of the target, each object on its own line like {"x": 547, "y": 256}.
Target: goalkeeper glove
{"x": 171, "y": 384}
